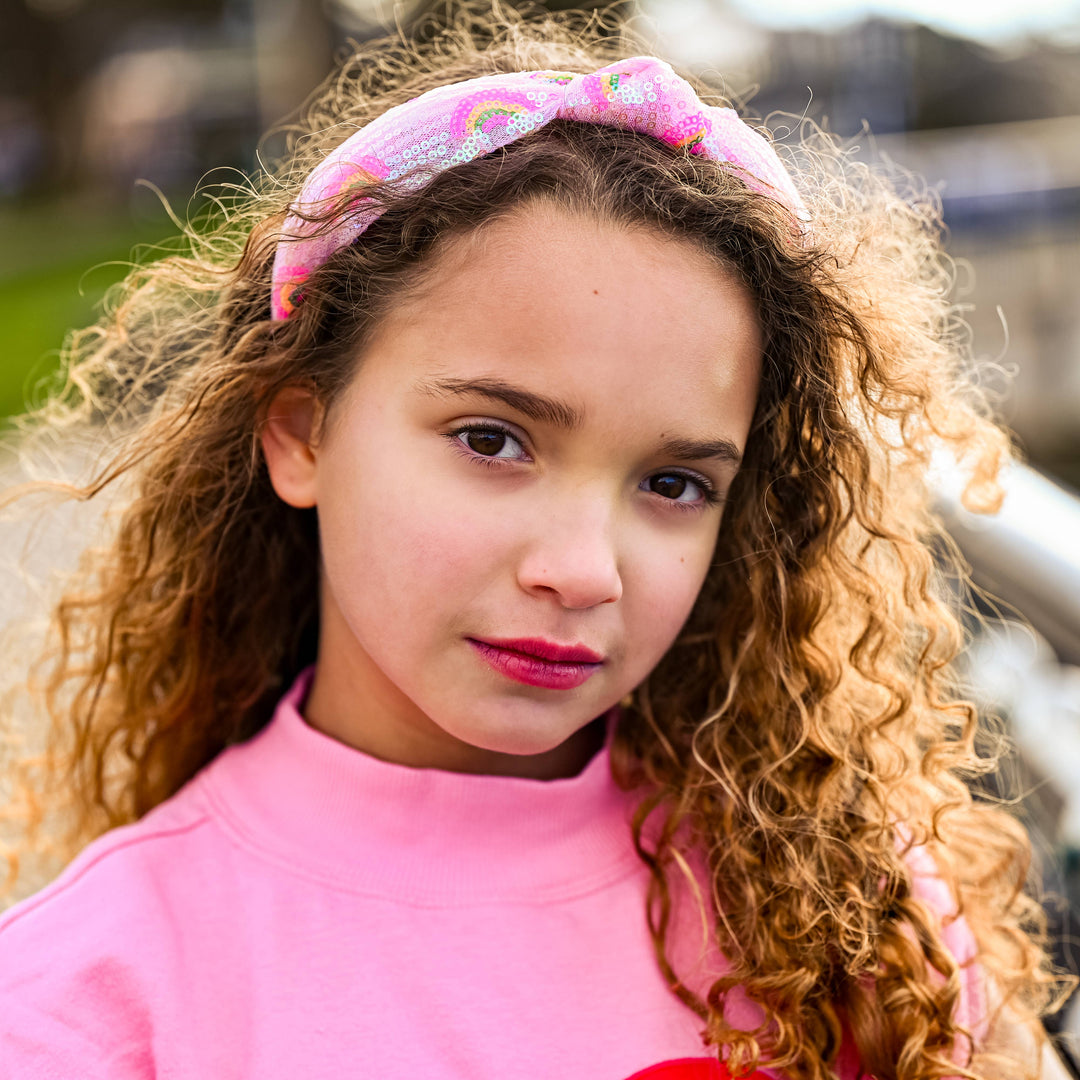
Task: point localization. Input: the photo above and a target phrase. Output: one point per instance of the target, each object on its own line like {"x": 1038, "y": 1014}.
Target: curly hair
{"x": 805, "y": 728}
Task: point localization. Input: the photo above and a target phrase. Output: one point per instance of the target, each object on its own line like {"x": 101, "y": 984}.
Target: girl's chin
{"x": 515, "y": 731}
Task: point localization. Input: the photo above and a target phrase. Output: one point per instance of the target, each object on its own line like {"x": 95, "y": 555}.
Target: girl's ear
{"x": 286, "y": 432}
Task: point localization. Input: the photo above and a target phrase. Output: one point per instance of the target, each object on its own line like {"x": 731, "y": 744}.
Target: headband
{"x": 461, "y": 121}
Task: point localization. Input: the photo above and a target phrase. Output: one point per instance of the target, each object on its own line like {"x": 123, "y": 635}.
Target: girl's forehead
{"x": 576, "y": 300}
{"x": 571, "y": 318}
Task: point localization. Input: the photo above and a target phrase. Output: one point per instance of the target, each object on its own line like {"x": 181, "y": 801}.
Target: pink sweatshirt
{"x": 301, "y": 909}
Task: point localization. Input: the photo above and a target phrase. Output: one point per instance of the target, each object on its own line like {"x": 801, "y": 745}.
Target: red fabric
{"x": 690, "y": 1069}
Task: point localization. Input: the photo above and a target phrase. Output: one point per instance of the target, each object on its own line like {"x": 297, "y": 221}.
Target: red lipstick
{"x": 537, "y": 662}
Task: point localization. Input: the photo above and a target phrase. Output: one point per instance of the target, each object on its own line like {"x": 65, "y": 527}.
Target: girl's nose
{"x": 573, "y": 555}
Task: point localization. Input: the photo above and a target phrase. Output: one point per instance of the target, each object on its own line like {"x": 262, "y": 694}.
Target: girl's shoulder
{"x": 928, "y": 885}
{"x": 699, "y": 961}
{"x": 79, "y": 957}
{"x": 109, "y": 886}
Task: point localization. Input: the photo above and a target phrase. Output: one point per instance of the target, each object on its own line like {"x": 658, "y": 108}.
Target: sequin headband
{"x": 462, "y": 121}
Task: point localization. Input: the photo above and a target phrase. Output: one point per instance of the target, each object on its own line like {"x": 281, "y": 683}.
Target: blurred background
{"x": 981, "y": 98}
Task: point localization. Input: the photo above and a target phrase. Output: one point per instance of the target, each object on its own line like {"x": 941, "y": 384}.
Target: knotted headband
{"x": 462, "y": 121}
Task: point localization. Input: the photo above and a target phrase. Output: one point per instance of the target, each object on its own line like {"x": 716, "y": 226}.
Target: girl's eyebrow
{"x": 561, "y": 415}
{"x": 534, "y": 406}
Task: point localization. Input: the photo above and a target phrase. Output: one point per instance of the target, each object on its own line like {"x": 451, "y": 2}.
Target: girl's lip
{"x": 534, "y": 671}
{"x": 545, "y": 650}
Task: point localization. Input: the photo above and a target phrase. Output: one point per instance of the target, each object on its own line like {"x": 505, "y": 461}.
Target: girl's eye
{"x": 674, "y": 486}
{"x": 488, "y": 441}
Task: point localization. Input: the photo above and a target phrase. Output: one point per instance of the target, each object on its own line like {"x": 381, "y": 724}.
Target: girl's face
{"x": 531, "y": 457}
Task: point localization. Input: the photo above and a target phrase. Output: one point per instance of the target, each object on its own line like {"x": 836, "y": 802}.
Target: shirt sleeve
{"x": 928, "y": 886}
{"x": 72, "y": 998}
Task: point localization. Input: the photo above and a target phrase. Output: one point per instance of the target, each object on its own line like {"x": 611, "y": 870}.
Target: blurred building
{"x": 1011, "y": 195}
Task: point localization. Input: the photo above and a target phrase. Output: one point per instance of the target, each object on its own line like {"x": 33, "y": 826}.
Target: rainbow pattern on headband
{"x": 462, "y": 121}
{"x": 609, "y": 84}
{"x": 485, "y": 115}
{"x": 482, "y": 114}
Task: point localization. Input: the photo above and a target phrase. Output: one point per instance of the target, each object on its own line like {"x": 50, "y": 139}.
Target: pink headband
{"x": 465, "y": 120}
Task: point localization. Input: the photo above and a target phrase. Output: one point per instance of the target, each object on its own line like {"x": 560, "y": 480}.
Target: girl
{"x": 520, "y": 651}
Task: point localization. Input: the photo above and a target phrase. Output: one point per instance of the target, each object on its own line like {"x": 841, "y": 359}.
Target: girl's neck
{"x": 332, "y": 708}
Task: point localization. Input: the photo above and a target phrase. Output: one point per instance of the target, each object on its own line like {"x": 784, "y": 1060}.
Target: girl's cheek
{"x": 441, "y": 532}
{"x": 666, "y": 586}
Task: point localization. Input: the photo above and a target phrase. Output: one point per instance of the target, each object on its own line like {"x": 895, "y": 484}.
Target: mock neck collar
{"x": 425, "y": 835}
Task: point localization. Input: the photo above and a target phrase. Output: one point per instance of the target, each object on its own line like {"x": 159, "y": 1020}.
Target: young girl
{"x": 520, "y": 652}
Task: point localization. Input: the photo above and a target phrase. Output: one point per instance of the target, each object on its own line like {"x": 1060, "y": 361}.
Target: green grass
{"x": 56, "y": 262}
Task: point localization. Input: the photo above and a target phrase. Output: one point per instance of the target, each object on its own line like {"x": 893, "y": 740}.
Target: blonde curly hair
{"x": 804, "y": 729}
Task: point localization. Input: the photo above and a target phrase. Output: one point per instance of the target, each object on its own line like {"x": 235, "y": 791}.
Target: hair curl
{"x": 803, "y": 728}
